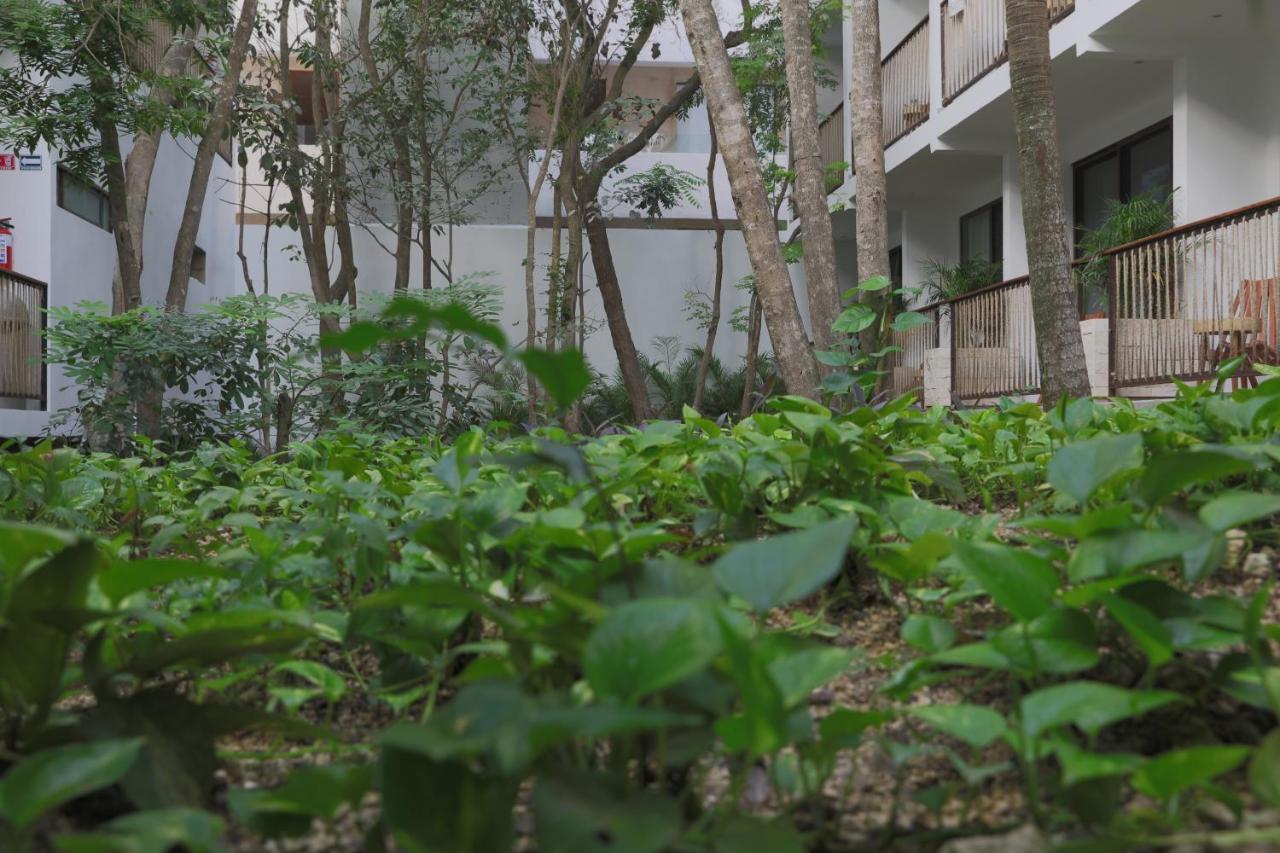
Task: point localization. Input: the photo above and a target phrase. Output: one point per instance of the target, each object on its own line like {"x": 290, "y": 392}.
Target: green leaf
{"x": 1090, "y": 705}
{"x": 1172, "y": 472}
{"x": 580, "y": 812}
{"x": 1079, "y": 765}
{"x": 152, "y": 831}
{"x": 1018, "y": 581}
{"x": 331, "y": 684}
{"x": 875, "y": 283}
{"x": 742, "y": 834}
{"x": 908, "y": 320}
{"x": 1264, "y": 770}
{"x": 124, "y": 578}
{"x": 854, "y": 319}
{"x": 562, "y": 373}
{"x": 800, "y": 673}
{"x": 311, "y": 792}
{"x": 1079, "y": 469}
{"x": 973, "y": 724}
{"x": 1143, "y": 626}
{"x": 1168, "y": 775}
{"x": 647, "y": 645}
{"x": 771, "y": 572}
{"x": 929, "y": 634}
{"x": 1233, "y": 510}
{"x": 54, "y": 776}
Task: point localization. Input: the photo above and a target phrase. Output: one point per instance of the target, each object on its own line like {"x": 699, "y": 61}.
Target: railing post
{"x": 1112, "y": 314}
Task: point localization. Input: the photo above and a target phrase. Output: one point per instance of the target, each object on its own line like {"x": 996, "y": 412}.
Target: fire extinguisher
{"x": 6, "y": 244}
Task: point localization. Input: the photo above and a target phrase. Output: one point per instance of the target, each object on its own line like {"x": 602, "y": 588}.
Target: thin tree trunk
{"x": 717, "y": 227}
{"x": 615, "y": 313}
{"x": 1053, "y": 294}
{"x": 821, "y": 282}
{"x": 184, "y": 243}
{"x": 128, "y": 256}
{"x": 753, "y": 355}
{"x": 573, "y": 266}
{"x": 872, "y": 196}
{"x": 555, "y": 271}
{"x": 401, "y": 164}
{"x": 773, "y": 282}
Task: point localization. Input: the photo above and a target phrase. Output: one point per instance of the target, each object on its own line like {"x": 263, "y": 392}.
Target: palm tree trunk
{"x": 872, "y": 199}
{"x": 811, "y": 180}
{"x": 760, "y": 229}
{"x": 1053, "y": 294}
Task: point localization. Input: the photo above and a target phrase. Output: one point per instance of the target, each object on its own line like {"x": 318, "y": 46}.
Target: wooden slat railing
{"x": 1183, "y": 301}
{"x": 907, "y": 364}
{"x": 22, "y": 317}
{"x": 905, "y": 84}
{"x": 993, "y": 342}
{"x": 974, "y": 40}
{"x": 831, "y": 143}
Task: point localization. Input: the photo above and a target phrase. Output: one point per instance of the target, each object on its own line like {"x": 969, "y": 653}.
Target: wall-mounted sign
{"x": 7, "y": 162}
{"x": 30, "y": 162}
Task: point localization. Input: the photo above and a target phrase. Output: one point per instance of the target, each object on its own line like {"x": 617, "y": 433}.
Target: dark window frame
{"x": 1123, "y": 151}
{"x": 104, "y": 202}
{"x": 994, "y": 210}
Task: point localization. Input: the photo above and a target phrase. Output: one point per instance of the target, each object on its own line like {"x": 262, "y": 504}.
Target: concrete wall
{"x": 656, "y": 268}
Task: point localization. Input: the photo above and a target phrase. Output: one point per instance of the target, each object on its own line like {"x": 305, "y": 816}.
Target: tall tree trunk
{"x": 128, "y": 241}
{"x": 615, "y": 313}
{"x": 872, "y": 194}
{"x": 717, "y": 227}
{"x": 811, "y": 180}
{"x": 573, "y": 264}
{"x": 401, "y": 164}
{"x": 184, "y": 243}
{"x": 1053, "y": 293}
{"x": 760, "y": 228}
{"x": 555, "y": 270}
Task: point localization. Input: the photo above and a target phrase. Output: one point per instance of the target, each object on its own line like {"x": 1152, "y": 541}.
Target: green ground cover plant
{"x": 644, "y": 641}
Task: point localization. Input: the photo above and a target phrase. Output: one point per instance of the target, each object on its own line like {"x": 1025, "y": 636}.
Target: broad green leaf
{"x": 878, "y": 282}
{"x": 929, "y": 634}
{"x": 1232, "y": 510}
{"x": 743, "y": 834}
{"x": 562, "y": 373}
{"x": 647, "y": 645}
{"x": 908, "y": 320}
{"x": 800, "y": 673}
{"x": 310, "y": 792}
{"x": 1061, "y": 641}
{"x": 1018, "y": 581}
{"x": 122, "y": 579}
{"x": 51, "y": 777}
{"x": 1079, "y": 469}
{"x": 1079, "y": 765}
{"x": 771, "y": 572}
{"x": 1264, "y": 770}
{"x": 1147, "y": 631}
{"x": 854, "y": 319}
{"x": 151, "y": 831}
{"x": 1170, "y": 473}
{"x": 1168, "y": 775}
{"x": 1090, "y": 705}
{"x": 330, "y": 683}
{"x": 973, "y": 724}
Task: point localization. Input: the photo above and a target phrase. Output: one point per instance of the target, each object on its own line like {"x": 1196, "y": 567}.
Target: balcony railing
{"x": 905, "y": 84}
{"x": 907, "y": 364}
{"x": 22, "y": 317}
{"x": 831, "y": 143}
{"x": 993, "y": 342}
{"x": 1184, "y": 301}
{"x": 974, "y": 40}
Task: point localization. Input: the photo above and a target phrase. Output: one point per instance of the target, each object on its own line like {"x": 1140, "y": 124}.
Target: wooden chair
{"x": 1249, "y": 331}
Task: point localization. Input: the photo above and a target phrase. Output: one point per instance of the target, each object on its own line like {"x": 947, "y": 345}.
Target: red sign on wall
{"x": 8, "y": 162}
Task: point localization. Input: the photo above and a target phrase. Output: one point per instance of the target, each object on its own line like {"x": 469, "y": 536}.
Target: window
{"x": 895, "y": 278}
{"x": 199, "y": 264}
{"x": 82, "y": 198}
{"x": 982, "y": 234}
{"x": 1143, "y": 163}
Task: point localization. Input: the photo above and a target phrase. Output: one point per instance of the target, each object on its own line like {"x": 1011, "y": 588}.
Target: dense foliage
{"x": 610, "y": 643}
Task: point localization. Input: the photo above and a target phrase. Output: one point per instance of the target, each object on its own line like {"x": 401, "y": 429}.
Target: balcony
{"x": 974, "y": 40}
{"x": 1176, "y": 305}
{"x": 905, "y": 85}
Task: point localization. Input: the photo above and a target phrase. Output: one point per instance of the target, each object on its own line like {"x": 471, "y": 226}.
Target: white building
{"x": 1180, "y": 95}
{"x": 64, "y": 253}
